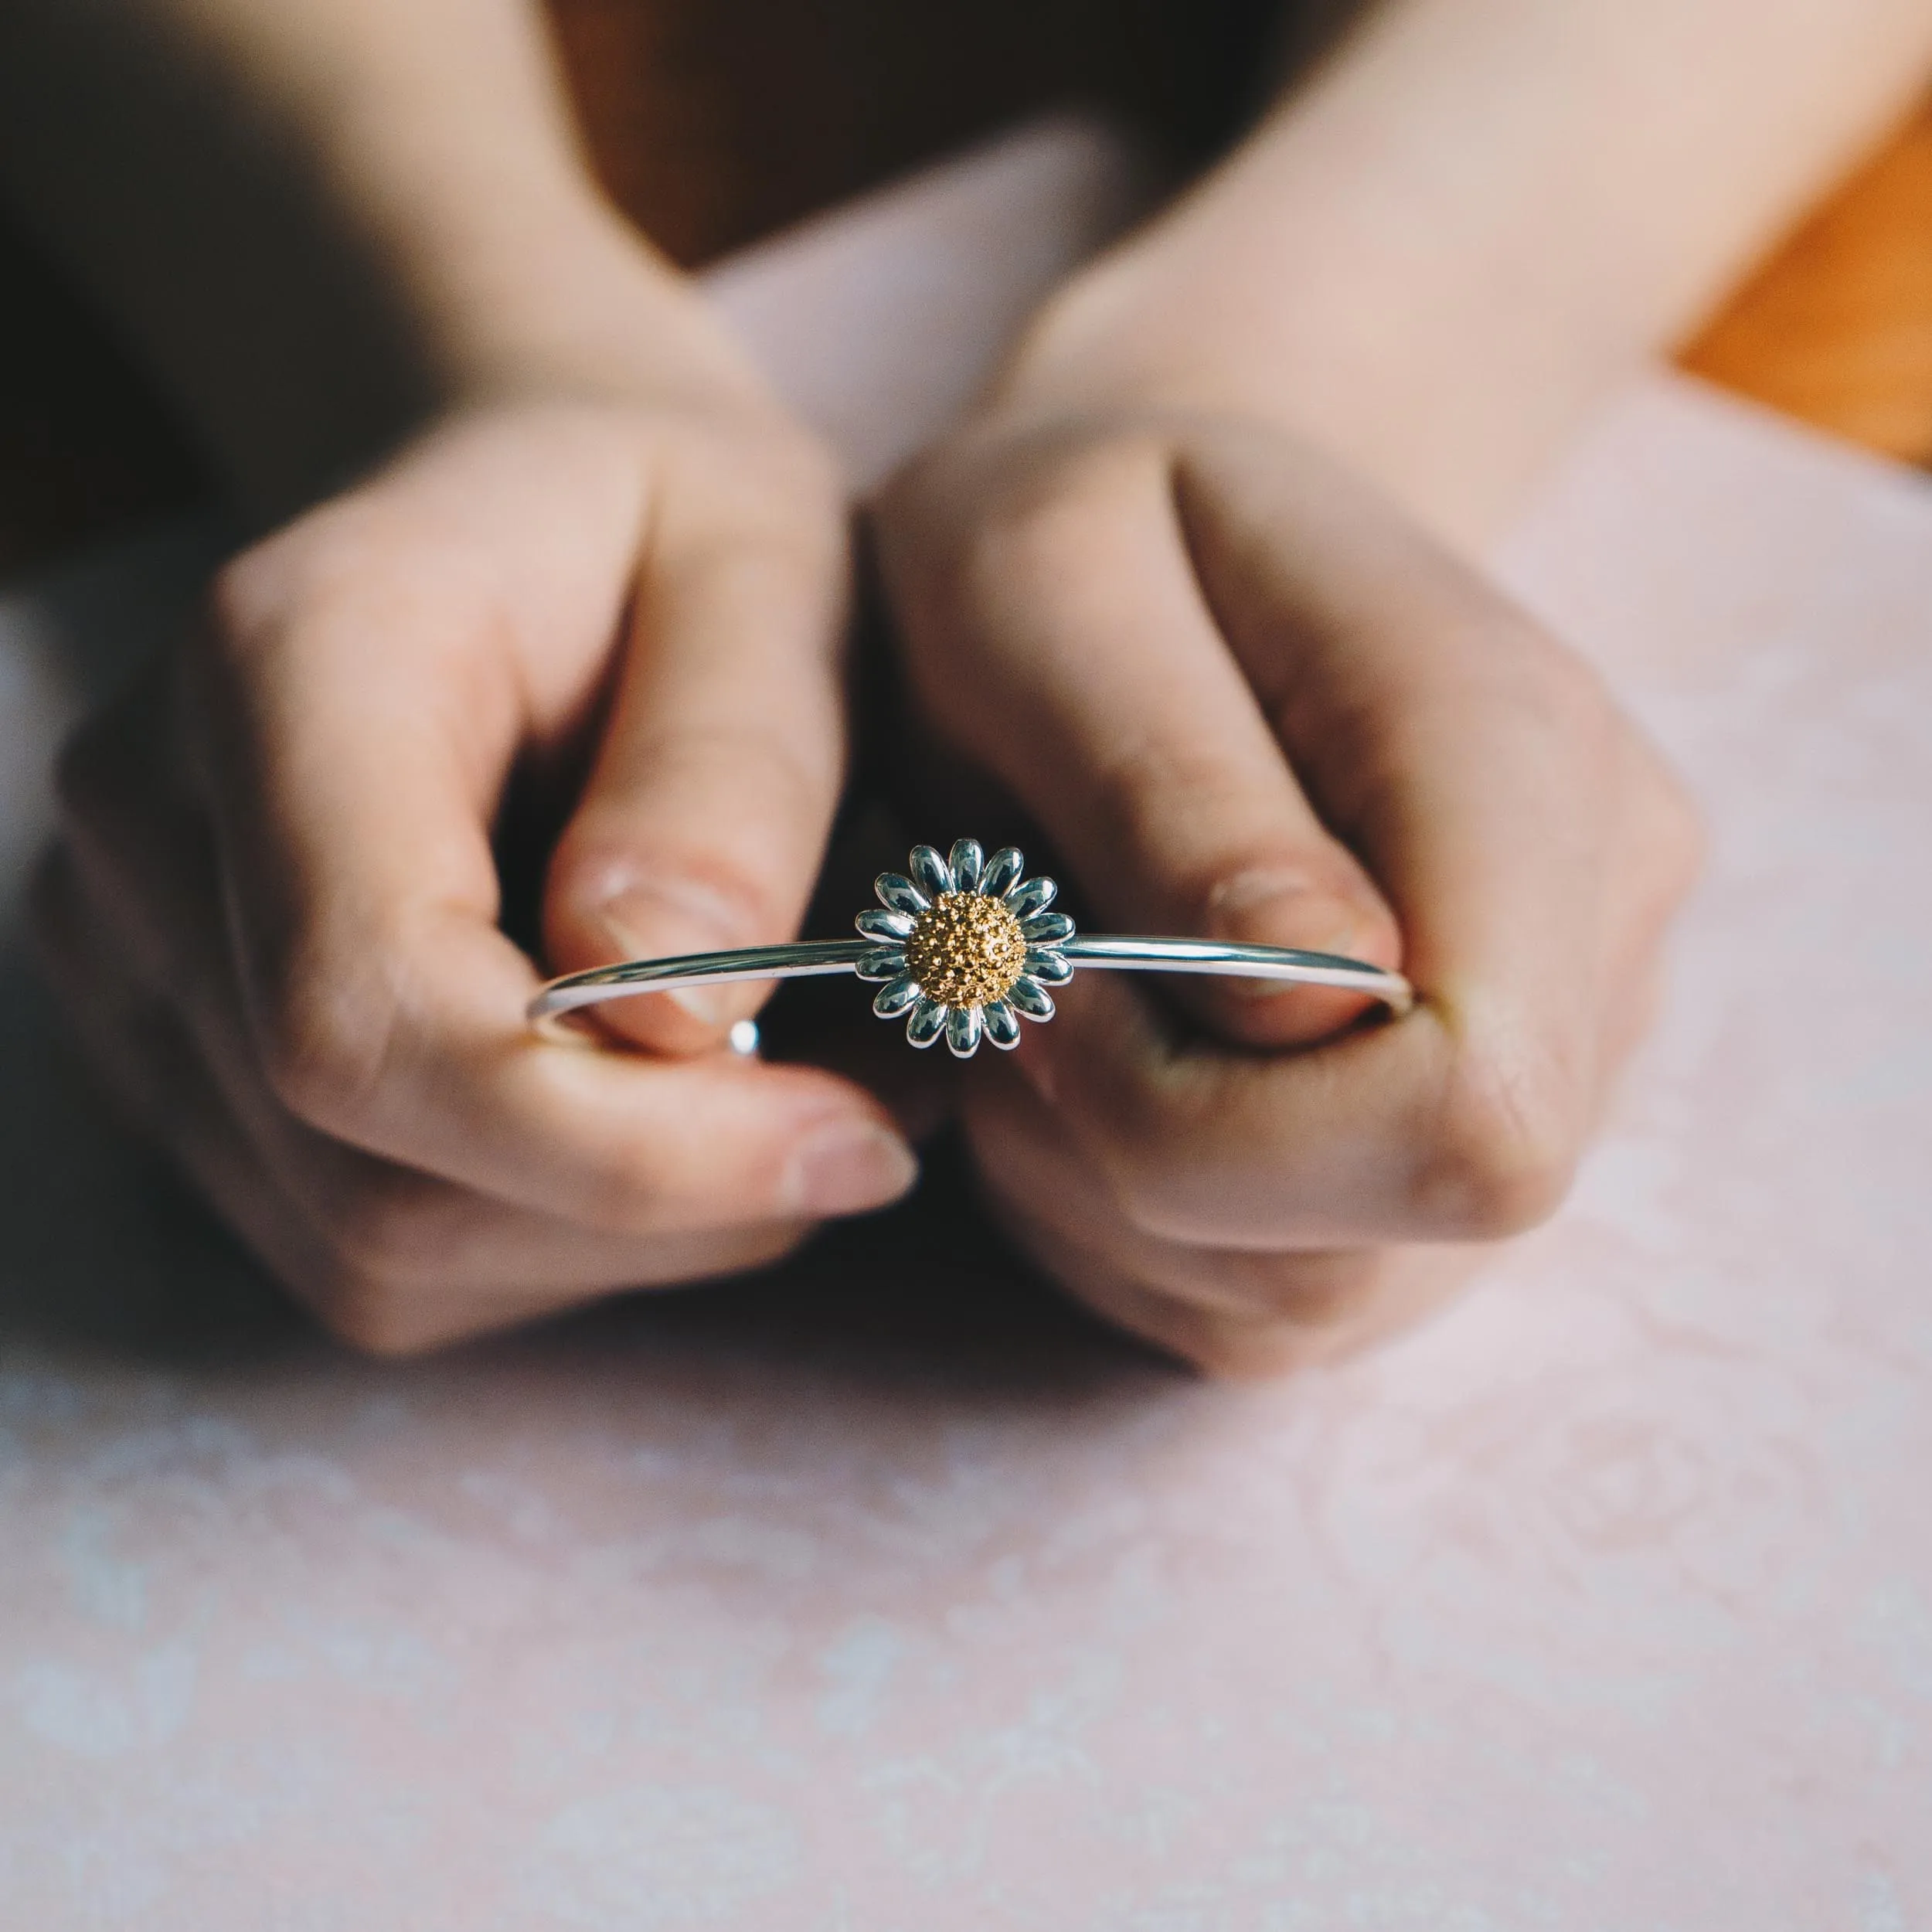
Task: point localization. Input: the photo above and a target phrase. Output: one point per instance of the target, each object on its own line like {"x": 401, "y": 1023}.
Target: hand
{"x": 273, "y": 910}
{"x": 1245, "y": 699}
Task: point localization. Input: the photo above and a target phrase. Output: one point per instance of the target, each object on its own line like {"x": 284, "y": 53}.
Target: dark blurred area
{"x": 711, "y": 122}
{"x": 86, "y": 447}
{"x": 715, "y": 121}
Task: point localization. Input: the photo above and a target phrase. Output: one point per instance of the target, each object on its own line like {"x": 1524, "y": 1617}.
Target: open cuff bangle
{"x": 963, "y": 946}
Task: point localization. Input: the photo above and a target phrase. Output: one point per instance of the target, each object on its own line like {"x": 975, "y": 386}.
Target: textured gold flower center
{"x": 966, "y": 950}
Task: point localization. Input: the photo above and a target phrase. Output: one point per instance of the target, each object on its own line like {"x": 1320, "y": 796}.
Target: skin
{"x": 1201, "y": 565}
{"x": 584, "y": 540}
{"x": 1198, "y": 589}
{"x": 1245, "y": 698}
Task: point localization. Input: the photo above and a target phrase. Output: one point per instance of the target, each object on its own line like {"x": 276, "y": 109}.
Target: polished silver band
{"x": 962, "y": 947}
{"x": 811, "y": 958}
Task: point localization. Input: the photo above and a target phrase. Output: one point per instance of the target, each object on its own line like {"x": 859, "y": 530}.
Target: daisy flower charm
{"x": 964, "y": 946}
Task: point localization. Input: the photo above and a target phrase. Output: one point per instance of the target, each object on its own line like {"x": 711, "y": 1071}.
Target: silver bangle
{"x": 965, "y": 946}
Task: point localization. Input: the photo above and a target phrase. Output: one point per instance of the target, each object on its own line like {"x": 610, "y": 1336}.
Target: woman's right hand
{"x": 272, "y": 911}
{"x": 1244, "y": 697}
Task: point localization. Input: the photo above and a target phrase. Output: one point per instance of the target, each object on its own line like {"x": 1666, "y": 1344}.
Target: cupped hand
{"x": 273, "y": 910}
{"x": 1245, "y": 699}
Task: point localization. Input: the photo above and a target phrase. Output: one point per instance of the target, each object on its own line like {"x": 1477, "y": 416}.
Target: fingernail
{"x": 848, "y": 1168}
{"x": 1282, "y": 909}
{"x": 705, "y": 1003}
{"x": 644, "y": 924}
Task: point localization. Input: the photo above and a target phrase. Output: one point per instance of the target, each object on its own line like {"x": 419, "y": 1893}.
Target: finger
{"x": 349, "y": 765}
{"x": 1480, "y": 770}
{"x": 1254, "y": 1343}
{"x": 1339, "y": 1296}
{"x": 707, "y": 808}
{"x": 1475, "y": 764}
{"x": 391, "y": 1260}
{"x": 1228, "y": 1347}
{"x": 1232, "y": 1345}
{"x": 1099, "y": 688}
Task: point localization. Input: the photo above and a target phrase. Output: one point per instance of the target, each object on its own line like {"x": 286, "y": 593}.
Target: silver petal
{"x": 1033, "y": 896}
{"x": 894, "y": 997}
{"x": 966, "y": 860}
{"x": 1002, "y": 871}
{"x": 898, "y": 894}
{"x": 885, "y": 927}
{"x": 926, "y": 1022}
{"x": 963, "y": 1031}
{"x": 1049, "y": 969}
{"x": 1003, "y": 1024}
{"x": 1043, "y": 929}
{"x": 886, "y": 962}
{"x": 930, "y": 873}
{"x": 1027, "y": 995}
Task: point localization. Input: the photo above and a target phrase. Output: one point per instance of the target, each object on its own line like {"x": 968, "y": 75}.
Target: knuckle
{"x": 1229, "y": 1349}
{"x": 1318, "y": 1292}
{"x": 1504, "y": 1146}
{"x": 250, "y": 593}
{"x": 339, "y": 557}
{"x": 324, "y": 1042}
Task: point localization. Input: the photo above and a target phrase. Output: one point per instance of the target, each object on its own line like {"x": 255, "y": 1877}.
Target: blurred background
{"x": 715, "y": 122}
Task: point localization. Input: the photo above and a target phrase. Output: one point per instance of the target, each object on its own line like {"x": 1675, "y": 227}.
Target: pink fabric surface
{"x": 1603, "y": 1602}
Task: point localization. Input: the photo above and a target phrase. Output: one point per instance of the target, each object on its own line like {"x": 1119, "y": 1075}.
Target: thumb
{"x": 712, "y": 792}
{"x": 1107, "y": 699}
